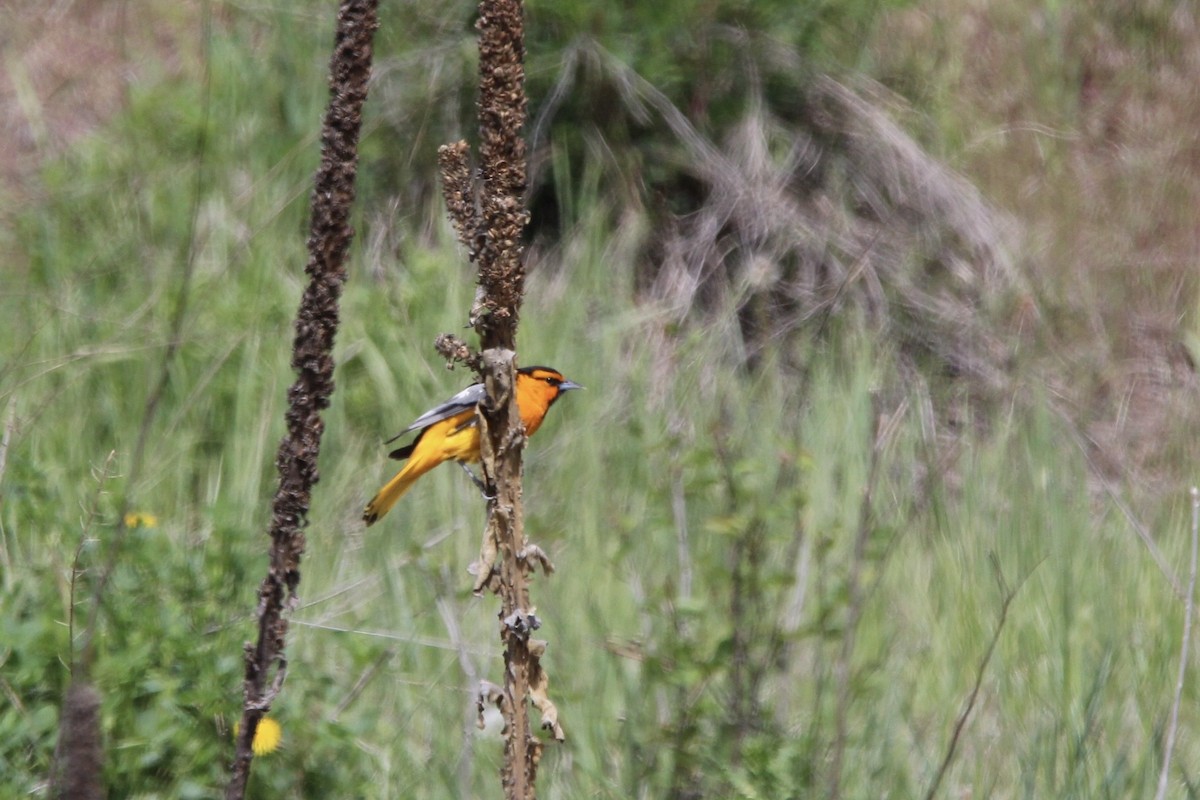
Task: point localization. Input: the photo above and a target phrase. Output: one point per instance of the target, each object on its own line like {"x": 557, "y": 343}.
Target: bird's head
{"x": 554, "y": 380}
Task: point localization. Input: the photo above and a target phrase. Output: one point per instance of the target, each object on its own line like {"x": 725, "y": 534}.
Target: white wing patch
{"x": 467, "y": 399}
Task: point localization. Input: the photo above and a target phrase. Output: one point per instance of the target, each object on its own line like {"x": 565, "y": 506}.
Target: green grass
{"x": 759, "y": 466}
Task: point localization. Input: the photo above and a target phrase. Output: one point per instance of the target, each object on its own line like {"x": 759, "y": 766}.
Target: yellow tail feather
{"x": 386, "y": 498}
{"x": 382, "y": 502}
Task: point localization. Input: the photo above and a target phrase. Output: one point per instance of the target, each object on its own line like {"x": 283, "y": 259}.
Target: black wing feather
{"x": 401, "y": 453}
{"x": 465, "y": 400}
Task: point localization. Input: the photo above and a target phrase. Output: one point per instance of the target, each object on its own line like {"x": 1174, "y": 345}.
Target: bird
{"x": 449, "y": 432}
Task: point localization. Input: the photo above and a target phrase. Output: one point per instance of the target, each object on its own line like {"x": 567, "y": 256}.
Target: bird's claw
{"x": 479, "y": 484}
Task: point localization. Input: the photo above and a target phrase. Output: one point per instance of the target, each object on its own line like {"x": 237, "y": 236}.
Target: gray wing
{"x": 467, "y": 399}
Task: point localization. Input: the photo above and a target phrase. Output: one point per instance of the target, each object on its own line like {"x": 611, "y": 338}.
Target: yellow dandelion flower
{"x": 140, "y": 519}
{"x": 267, "y": 736}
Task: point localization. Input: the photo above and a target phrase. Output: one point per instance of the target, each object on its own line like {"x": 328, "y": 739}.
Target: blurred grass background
{"x": 1006, "y": 361}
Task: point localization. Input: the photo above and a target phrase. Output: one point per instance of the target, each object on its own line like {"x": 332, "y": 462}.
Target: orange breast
{"x": 533, "y": 400}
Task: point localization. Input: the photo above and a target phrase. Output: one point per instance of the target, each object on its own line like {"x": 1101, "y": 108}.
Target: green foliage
{"x": 698, "y": 53}
{"x": 168, "y": 667}
{"x": 713, "y": 62}
{"x": 708, "y": 59}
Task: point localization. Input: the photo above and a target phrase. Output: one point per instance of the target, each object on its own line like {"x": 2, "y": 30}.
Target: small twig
{"x": 456, "y": 351}
{"x": 1151, "y": 547}
{"x": 105, "y": 473}
{"x": 1184, "y": 649}
{"x": 960, "y": 723}
{"x": 364, "y": 678}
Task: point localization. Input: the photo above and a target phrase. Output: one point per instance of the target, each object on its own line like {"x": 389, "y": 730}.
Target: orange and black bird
{"x": 449, "y": 432}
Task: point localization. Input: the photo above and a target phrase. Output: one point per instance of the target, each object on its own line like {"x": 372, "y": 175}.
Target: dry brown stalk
{"x": 312, "y": 358}
{"x": 79, "y": 758}
{"x": 492, "y": 228}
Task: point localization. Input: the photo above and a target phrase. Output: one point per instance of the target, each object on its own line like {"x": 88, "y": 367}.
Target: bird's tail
{"x": 383, "y": 501}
